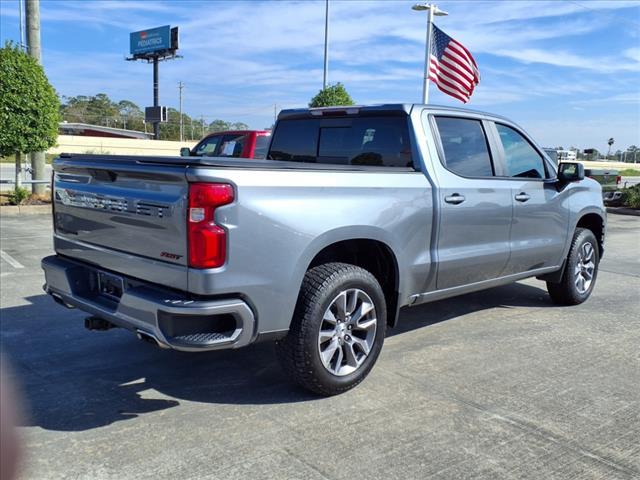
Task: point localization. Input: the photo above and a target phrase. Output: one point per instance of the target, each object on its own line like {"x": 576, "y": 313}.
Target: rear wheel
{"x": 580, "y": 272}
{"x": 337, "y": 330}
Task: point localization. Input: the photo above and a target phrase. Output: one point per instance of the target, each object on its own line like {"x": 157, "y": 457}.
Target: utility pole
{"x": 33, "y": 43}
{"x": 202, "y": 124}
{"x": 275, "y": 113}
{"x": 326, "y": 45}
{"x": 180, "y": 87}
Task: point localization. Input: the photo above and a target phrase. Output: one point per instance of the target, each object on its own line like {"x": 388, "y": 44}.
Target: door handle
{"x": 522, "y": 197}
{"x": 455, "y": 199}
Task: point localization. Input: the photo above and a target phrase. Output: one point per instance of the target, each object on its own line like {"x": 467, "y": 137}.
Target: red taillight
{"x": 207, "y": 241}
{"x": 618, "y": 180}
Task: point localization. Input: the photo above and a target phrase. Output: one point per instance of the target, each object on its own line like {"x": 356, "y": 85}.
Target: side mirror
{"x": 570, "y": 172}
{"x": 185, "y": 152}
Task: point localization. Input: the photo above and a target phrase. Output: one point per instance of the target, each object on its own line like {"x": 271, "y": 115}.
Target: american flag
{"x": 452, "y": 68}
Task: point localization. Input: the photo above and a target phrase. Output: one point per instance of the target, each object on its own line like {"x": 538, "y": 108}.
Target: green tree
{"x": 29, "y": 106}
{"x": 219, "y": 126}
{"x": 131, "y": 116}
{"x": 333, "y": 95}
{"x": 239, "y": 126}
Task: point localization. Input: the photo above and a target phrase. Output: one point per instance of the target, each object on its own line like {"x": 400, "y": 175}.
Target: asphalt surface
{"x": 497, "y": 384}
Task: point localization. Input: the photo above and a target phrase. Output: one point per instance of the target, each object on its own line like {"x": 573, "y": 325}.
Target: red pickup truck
{"x": 238, "y": 144}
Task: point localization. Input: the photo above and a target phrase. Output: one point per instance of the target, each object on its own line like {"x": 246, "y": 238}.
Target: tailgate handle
{"x": 103, "y": 175}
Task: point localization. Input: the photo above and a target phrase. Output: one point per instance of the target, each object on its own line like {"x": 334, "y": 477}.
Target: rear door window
{"x": 521, "y": 159}
{"x": 373, "y": 141}
{"x": 465, "y": 147}
{"x": 232, "y": 145}
{"x": 208, "y": 146}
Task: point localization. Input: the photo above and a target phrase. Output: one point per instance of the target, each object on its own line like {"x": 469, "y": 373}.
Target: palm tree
{"x": 610, "y": 143}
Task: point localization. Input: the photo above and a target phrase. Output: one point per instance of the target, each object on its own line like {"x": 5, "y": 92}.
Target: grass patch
{"x": 630, "y": 172}
{"x": 18, "y": 196}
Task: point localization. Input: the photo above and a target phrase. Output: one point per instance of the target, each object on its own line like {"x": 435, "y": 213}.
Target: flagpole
{"x": 427, "y": 57}
{"x": 433, "y": 10}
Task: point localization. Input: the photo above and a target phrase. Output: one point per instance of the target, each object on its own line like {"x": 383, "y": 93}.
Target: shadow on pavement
{"x": 508, "y": 296}
{"x": 76, "y": 380}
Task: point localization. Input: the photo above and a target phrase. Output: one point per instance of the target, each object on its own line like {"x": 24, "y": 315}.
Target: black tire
{"x": 299, "y": 351}
{"x": 566, "y": 292}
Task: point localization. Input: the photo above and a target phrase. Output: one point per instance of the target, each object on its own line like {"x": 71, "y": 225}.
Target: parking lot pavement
{"x": 496, "y": 384}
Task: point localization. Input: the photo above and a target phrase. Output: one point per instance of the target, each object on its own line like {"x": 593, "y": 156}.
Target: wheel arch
{"x": 371, "y": 252}
{"x": 596, "y": 223}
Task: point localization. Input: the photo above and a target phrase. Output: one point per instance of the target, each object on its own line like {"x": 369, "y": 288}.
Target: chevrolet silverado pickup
{"x": 355, "y": 213}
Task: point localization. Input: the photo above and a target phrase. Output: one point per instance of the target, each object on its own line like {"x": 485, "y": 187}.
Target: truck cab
{"x": 232, "y": 143}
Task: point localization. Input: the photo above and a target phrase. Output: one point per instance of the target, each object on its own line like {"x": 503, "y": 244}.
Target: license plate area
{"x": 110, "y": 286}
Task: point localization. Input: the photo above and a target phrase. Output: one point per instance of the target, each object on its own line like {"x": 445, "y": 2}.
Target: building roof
{"x": 80, "y": 127}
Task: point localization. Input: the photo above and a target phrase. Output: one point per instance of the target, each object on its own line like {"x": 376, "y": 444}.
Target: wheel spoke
{"x": 364, "y": 308}
{"x": 588, "y": 252}
{"x": 329, "y": 317}
{"x": 326, "y": 335}
{"x": 366, "y": 324}
{"x": 329, "y": 352}
{"x": 339, "y": 357}
{"x": 590, "y": 269}
{"x": 341, "y": 305}
{"x": 364, "y": 346}
{"x": 577, "y": 270}
{"x": 352, "y": 301}
{"x": 350, "y": 355}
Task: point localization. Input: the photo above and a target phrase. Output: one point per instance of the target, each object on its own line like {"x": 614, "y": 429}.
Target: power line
{"x": 610, "y": 15}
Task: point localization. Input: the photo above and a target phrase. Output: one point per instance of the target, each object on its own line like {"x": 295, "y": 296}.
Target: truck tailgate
{"x": 123, "y": 215}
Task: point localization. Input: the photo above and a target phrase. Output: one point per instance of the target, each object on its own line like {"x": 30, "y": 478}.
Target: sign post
{"x": 153, "y": 46}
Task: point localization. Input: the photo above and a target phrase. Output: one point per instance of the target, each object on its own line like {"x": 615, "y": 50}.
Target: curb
{"x": 17, "y": 210}
{"x": 624, "y": 211}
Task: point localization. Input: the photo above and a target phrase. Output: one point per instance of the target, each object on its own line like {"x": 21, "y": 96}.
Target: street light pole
{"x": 433, "y": 10}
{"x": 326, "y": 45}
{"x": 180, "y": 87}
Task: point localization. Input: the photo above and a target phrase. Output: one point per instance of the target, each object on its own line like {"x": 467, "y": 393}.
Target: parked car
{"x": 356, "y": 213}
{"x": 236, "y": 144}
{"x": 610, "y": 181}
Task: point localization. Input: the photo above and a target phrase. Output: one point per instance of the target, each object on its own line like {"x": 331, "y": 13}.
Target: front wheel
{"x": 580, "y": 271}
{"x": 337, "y": 330}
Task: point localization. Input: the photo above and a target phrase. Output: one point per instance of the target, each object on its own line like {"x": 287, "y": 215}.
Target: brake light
{"x": 618, "y": 180}
{"x": 207, "y": 241}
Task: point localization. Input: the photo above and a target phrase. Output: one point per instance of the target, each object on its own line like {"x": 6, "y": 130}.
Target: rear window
{"x": 375, "y": 141}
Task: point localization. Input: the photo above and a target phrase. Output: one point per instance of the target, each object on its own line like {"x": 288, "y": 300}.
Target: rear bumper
{"x": 174, "y": 321}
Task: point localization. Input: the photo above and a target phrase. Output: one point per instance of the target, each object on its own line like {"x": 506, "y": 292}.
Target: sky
{"x": 566, "y": 71}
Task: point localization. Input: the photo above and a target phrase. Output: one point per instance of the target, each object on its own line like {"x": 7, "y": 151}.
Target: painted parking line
{"x": 10, "y": 260}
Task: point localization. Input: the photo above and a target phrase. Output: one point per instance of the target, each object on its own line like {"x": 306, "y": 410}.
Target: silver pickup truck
{"x": 356, "y": 212}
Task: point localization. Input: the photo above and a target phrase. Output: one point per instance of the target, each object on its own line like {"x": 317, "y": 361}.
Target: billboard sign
{"x": 150, "y": 41}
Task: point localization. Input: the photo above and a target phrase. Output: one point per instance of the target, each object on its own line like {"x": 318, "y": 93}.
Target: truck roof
{"x": 232, "y": 132}
{"x": 388, "y": 108}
